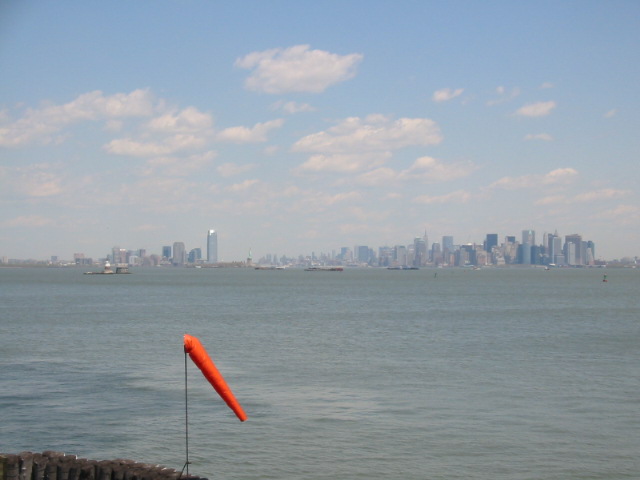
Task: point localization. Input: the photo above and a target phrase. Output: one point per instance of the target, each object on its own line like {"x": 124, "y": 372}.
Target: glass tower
{"x": 212, "y": 246}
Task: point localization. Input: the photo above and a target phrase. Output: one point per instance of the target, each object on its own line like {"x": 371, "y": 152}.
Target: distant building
{"x": 420, "y": 251}
{"x": 212, "y": 246}
{"x": 166, "y": 252}
{"x": 362, "y": 253}
{"x": 577, "y": 256}
{"x": 179, "y": 254}
{"x": 447, "y": 249}
{"x": 195, "y": 255}
{"x": 490, "y": 242}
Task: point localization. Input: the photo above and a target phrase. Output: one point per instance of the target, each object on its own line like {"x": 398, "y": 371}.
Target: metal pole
{"x": 186, "y": 415}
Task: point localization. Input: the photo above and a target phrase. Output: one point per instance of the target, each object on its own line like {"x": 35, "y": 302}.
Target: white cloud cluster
{"x": 40, "y": 180}
{"x": 297, "y": 69}
{"x": 355, "y": 144}
{"x": 539, "y": 136}
{"x": 554, "y": 177}
{"x": 446, "y": 94}
{"x": 40, "y": 124}
{"x": 257, "y": 133}
{"x": 189, "y": 120}
{"x": 371, "y": 134}
{"x": 293, "y": 107}
{"x": 504, "y": 95}
{"x": 539, "y": 109}
{"x": 231, "y": 169}
{"x": 428, "y": 169}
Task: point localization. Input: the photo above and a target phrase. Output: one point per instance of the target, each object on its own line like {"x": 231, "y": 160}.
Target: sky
{"x": 293, "y": 127}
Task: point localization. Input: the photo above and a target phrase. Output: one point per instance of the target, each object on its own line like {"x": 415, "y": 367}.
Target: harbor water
{"x": 514, "y": 373}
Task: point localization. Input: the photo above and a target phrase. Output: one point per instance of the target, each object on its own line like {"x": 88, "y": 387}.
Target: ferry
{"x": 120, "y": 269}
{"x": 324, "y": 269}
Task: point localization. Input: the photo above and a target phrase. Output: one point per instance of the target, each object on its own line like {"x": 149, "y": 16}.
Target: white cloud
{"x": 432, "y": 170}
{"x": 257, "y": 133}
{"x": 550, "y": 200}
{"x": 560, "y": 175}
{"x": 539, "y": 109}
{"x": 271, "y": 150}
{"x": 167, "y": 134}
{"x": 188, "y": 120}
{"x": 35, "y": 181}
{"x": 180, "y": 167}
{"x": 293, "y": 107}
{"x": 378, "y": 177}
{"x": 539, "y": 136}
{"x": 243, "y": 186}
{"x": 459, "y": 196}
{"x": 611, "y": 113}
{"x": 624, "y": 214}
{"x": 167, "y": 146}
{"x": 603, "y": 194}
{"x": 504, "y": 95}
{"x": 297, "y": 69}
{"x": 546, "y": 85}
{"x": 374, "y": 133}
{"x": 343, "y": 162}
{"x": 40, "y": 124}
{"x": 446, "y": 94}
{"x": 231, "y": 169}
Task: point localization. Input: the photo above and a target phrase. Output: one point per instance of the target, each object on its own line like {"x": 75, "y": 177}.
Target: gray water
{"x": 364, "y": 374}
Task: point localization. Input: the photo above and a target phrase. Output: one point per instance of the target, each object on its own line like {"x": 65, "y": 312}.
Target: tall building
{"x": 166, "y": 252}
{"x": 579, "y": 255}
{"x": 420, "y": 252}
{"x": 400, "y": 254}
{"x": 362, "y": 253}
{"x": 195, "y": 255}
{"x": 490, "y": 242}
{"x": 528, "y": 241}
{"x": 179, "y": 254}
{"x": 447, "y": 249}
{"x": 212, "y": 246}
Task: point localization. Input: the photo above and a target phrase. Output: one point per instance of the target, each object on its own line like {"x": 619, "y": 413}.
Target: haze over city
{"x": 298, "y": 127}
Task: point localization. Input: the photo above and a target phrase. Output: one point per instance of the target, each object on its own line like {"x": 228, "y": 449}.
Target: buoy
{"x": 199, "y": 355}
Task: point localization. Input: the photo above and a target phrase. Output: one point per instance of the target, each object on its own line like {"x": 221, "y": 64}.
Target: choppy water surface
{"x": 376, "y": 374}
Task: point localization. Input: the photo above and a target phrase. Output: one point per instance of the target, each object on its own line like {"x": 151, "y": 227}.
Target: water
{"x": 376, "y": 374}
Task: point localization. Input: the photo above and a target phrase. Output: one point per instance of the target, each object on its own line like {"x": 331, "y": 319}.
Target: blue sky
{"x": 297, "y": 127}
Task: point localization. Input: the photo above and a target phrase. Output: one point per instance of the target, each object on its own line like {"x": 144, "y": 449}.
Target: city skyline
{"x": 552, "y": 249}
{"x": 286, "y": 135}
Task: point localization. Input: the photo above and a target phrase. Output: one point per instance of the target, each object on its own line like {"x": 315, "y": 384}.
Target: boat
{"x": 120, "y": 269}
{"x": 324, "y": 269}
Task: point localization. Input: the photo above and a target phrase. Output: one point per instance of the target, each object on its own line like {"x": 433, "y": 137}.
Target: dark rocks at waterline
{"x": 50, "y": 465}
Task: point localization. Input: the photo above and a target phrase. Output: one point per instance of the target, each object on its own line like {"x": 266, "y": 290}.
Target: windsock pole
{"x": 198, "y": 354}
{"x": 186, "y": 417}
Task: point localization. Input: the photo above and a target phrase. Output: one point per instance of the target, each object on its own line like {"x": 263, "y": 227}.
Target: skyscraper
{"x": 491, "y": 241}
{"x": 579, "y": 255}
{"x": 447, "y": 248}
{"x": 528, "y": 241}
{"x": 179, "y": 254}
{"x": 212, "y": 246}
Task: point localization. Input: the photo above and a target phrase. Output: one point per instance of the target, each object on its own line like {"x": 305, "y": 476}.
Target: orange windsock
{"x": 199, "y": 355}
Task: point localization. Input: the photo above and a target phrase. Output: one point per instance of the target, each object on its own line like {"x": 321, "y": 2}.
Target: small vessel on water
{"x": 324, "y": 269}
{"x": 120, "y": 269}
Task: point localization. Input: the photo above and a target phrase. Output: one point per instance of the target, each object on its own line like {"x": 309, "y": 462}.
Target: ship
{"x": 120, "y": 269}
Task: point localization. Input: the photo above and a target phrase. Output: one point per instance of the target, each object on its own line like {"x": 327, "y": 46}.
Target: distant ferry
{"x": 405, "y": 267}
{"x": 324, "y": 269}
{"x": 120, "y": 269}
